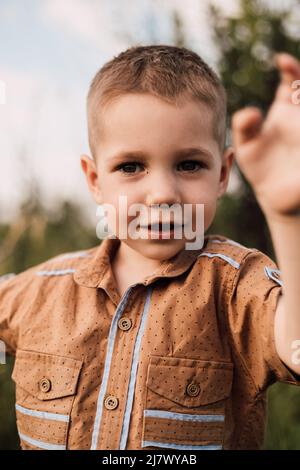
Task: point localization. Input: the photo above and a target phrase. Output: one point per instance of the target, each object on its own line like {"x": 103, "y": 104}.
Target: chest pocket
{"x": 45, "y": 390}
{"x": 185, "y": 403}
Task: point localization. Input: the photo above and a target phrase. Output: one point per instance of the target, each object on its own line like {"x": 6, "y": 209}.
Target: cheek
{"x": 209, "y": 212}
{"x": 118, "y": 217}
{"x": 203, "y": 192}
{"x": 206, "y": 196}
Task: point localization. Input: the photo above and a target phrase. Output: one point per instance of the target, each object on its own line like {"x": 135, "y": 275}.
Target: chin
{"x": 162, "y": 251}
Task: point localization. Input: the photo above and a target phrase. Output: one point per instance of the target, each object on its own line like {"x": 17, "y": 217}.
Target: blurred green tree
{"x": 247, "y": 43}
{"x": 32, "y": 238}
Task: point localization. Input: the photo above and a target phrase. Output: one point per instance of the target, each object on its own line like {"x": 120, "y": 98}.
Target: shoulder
{"x": 235, "y": 260}
{"x": 224, "y": 251}
{"x": 56, "y": 268}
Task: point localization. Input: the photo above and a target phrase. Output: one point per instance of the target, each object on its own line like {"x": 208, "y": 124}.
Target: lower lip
{"x": 159, "y": 234}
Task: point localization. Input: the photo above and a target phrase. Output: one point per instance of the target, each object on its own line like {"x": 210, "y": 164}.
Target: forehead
{"x": 145, "y": 121}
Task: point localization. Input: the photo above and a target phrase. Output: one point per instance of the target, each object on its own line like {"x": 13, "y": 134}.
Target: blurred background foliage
{"x": 246, "y": 44}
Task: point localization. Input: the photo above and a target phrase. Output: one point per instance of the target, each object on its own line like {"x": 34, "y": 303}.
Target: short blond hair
{"x": 166, "y": 72}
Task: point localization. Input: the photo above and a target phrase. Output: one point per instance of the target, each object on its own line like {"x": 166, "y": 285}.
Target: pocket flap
{"x": 46, "y": 376}
{"x": 190, "y": 382}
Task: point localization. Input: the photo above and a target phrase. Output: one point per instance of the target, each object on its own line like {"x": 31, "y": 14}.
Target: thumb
{"x": 246, "y": 124}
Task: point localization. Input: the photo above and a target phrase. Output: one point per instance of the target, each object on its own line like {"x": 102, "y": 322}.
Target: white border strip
{"x": 269, "y": 272}
{"x": 7, "y": 276}
{"x": 183, "y": 416}
{"x": 133, "y": 372}
{"x": 230, "y": 242}
{"x": 168, "y": 445}
{"x": 43, "y": 414}
{"x": 55, "y": 272}
{"x": 229, "y": 260}
{"x": 41, "y": 444}
{"x": 108, "y": 359}
{"x": 77, "y": 254}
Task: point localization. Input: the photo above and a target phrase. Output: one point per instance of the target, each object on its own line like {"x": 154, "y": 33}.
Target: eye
{"x": 192, "y": 165}
{"x": 128, "y": 167}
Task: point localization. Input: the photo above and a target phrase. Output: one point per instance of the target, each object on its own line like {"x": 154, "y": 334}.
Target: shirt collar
{"x": 98, "y": 268}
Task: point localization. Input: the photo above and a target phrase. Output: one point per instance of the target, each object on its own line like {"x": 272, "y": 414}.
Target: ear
{"x": 90, "y": 170}
{"x": 227, "y": 160}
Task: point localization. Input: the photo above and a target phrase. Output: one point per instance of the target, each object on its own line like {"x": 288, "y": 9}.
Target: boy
{"x": 141, "y": 343}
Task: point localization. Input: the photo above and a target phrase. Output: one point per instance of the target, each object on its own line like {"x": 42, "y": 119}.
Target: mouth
{"x": 162, "y": 227}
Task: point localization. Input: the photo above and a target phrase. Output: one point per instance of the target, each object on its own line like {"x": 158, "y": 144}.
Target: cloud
{"x": 119, "y": 24}
{"x": 92, "y": 22}
{"x": 77, "y": 17}
{"x": 43, "y": 123}
{"x": 114, "y": 26}
{"x": 42, "y": 133}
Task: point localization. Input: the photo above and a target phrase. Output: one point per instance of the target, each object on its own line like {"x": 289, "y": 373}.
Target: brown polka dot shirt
{"x": 181, "y": 361}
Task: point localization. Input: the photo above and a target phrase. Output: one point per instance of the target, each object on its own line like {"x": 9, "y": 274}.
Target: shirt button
{"x": 193, "y": 389}
{"x": 124, "y": 323}
{"x": 45, "y": 385}
{"x": 111, "y": 402}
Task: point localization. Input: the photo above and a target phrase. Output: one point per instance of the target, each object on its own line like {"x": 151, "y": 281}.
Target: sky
{"x": 50, "y": 51}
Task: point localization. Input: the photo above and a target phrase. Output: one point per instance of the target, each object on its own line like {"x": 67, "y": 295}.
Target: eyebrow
{"x": 189, "y": 151}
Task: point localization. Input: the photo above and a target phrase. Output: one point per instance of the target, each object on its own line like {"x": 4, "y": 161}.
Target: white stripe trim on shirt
{"x": 77, "y": 254}
{"x": 43, "y": 414}
{"x": 55, "y": 272}
{"x": 230, "y": 242}
{"x": 133, "y": 372}
{"x": 183, "y": 416}
{"x": 7, "y": 276}
{"x": 41, "y": 444}
{"x": 269, "y": 273}
{"x": 229, "y": 260}
{"x": 108, "y": 359}
{"x": 169, "y": 445}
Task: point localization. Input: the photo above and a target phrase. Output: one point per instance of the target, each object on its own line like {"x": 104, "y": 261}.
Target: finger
{"x": 246, "y": 124}
{"x": 289, "y": 68}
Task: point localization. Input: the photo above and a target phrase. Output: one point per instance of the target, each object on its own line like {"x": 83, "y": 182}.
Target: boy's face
{"x": 143, "y": 123}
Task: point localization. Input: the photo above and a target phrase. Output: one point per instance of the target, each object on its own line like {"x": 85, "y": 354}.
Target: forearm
{"x": 285, "y": 233}
{"x": 267, "y": 151}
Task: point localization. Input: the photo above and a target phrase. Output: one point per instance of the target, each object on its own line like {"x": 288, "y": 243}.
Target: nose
{"x": 162, "y": 190}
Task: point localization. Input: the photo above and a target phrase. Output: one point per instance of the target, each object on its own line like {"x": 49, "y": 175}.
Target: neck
{"x": 126, "y": 256}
